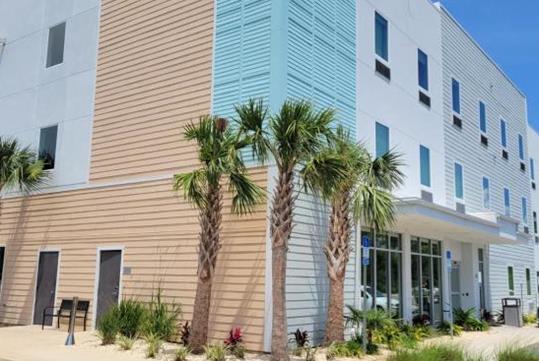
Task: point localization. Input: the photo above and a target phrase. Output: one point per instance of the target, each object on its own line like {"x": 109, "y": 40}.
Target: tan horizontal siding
{"x": 153, "y": 77}
{"x": 159, "y": 232}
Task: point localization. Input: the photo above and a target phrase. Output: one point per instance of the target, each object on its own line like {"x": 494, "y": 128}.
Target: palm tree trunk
{"x": 208, "y": 249}
{"x": 337, "y": 252}
{"x": 281, "y": 230}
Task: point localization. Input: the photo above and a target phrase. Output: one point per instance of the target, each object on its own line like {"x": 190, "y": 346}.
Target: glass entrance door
{"x": 426, "y": 280}
{"x": 455, "y": 285}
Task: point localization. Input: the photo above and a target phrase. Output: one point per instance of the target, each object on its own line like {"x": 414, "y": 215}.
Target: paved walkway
{"x": 489, "y": 343}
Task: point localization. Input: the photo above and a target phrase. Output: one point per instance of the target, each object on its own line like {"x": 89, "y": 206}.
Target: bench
{"x": 64, "y": 311}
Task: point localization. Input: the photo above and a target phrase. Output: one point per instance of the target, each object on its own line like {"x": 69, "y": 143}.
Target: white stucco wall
{"x": 33, "y": 96}
{"x": 413, "y": 25}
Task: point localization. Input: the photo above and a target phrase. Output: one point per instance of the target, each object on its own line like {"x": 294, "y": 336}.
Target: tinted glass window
{"x": 503, "y": 133}
{"x": 382, "y": 139}
{"x": 459, "y": 186}
{"x": 47, "y": 146}
{"x": 456, "y": 96}
{"x": 382, "y": 37}
{"x": 486, "y": 193}
{"x": 507, "y": 201}
{"x": 423, "y": 69}
{"x": 55, "y": 50}
{"x": 520, "y": 147}
{"x": 424, "y": 165}
{"x": 482, "y": 117}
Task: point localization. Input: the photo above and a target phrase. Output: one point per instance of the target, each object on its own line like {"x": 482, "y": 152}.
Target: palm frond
{"x": 385, "y": 171}
{"x": 194, "y": 186}
{"x": 374, "y": 206}
{"x": 247, "y": 194}
{"x": 20, "y": 168}
{"x": 251, "y": 120}
{"x": 325, "y": 173}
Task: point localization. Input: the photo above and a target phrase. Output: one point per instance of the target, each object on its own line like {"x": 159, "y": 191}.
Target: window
{"x": 482, "y": 117}
{"x": 423, "y": 69}
{"x": 532, "y": 168}
{"x": 528, "y": 282}
{"x": 524, "y": 210}
{"x": 456, "y": 96}
{"x": 459, "y": 185}
{"x": 55, "y": 50}
{"x": 382, "y": 139}
{"x": 503, "y": 133}
{"x": 510, "y": 281}
{"x": 535, "y": 222}
{"x": 2, "y": 258}
{"x": 47, "y": 146}
{"x": 427, "y": 278}
{"x": 520, "y": 147}
{"x": 381, "y": 30}
{"x": 486, "y": 193}
{"x": 507, "y": 202}
{"x": 424, "y": 165}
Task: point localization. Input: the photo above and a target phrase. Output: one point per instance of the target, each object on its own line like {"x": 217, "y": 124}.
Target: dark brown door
{"x": 46, "y": 285}
{"x": 110, "y": 263}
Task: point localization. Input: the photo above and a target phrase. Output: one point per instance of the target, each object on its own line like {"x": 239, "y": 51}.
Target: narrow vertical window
{"x": 459, "y": 183}
{"x": 2, "y": 259}
{"x": 47, "y": 146}
{"x": 510, "y": 281}
{"x": 423, "y": 69}
{"x": 424, "y": 165}
{"x": 486, "y": 193}
{"x": 482, "y": 117}
{"x": 532, "y": 169}
{"x": 382, "y": 139}
{"x": 524, "y": 210}
{"x": 520, "y": 147}
{"x": 507, "y": 201}
{"x": 535, "y": 222}
{"x": 55, "y": 48}
{"x": 503, "y": 133}
{"x": 381, "y": 30}
{"x": 528, "y": 282}
{"x": 456, "y": 96}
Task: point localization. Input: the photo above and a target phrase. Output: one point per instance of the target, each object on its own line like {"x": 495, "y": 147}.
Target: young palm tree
{"x": 20, "y": 168}
{"x": 363, "y": 193}
{"x": 219, "y": 154}
{"x": 292, "y": 137}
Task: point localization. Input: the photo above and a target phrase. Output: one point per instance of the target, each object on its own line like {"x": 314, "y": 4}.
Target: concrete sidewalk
{"x": 487, "y": 344}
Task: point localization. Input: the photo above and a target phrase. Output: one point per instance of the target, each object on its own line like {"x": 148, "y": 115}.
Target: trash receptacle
{"x": 512, "y": 311}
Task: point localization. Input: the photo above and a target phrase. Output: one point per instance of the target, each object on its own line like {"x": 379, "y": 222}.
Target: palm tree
{"x": 219, "y": 154}
{"x": 363, "y": 193}
{"x": 292, "y": 137}
{"x": 20, "y": 168}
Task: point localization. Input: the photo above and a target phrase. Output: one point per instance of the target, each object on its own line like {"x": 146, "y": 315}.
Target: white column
{"x": 447, "y": 306}
{"x": 406, "y": 278}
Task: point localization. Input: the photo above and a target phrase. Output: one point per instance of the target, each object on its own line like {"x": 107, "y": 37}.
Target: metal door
{"x": 46, "y": 285}
{"x": 108, "y": 291}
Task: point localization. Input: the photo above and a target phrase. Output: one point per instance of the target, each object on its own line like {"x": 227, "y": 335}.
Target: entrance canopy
{"x": 424, "y": 219}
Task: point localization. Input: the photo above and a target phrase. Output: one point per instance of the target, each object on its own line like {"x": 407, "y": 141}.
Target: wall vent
{"x": 522, "y": 166}
{"x": 505, "y": 155}
{"x": 383, "y": 70}
{"x": 424, "y": 98}
{"x": 461, "y": 208}
{"x": 457, "y": 122}
{"x": 484, "y": 140}
{"x": 426, "y": 196}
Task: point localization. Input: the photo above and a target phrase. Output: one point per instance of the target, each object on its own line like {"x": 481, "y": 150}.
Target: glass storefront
{"x": 426, "y": 280}
{"x": 384, "y": 285}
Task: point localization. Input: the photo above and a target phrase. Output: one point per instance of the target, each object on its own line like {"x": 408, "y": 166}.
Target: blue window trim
{"x": 423, "y": 69}
{"x": 503, "y": 133}
{"x": 524, "y": 210}
{"x": 482, "y": 117}
{"x": 382, "y": 139}
{"x": 507, "y": 201}
{"x": 424, "y": 166}
{"x": 455, "y": 92}
{"x": 521, "y": 147}
{"x": 459, "y": 181}
{"x": 381, "y": 36}
{"x": 486, "y": 193}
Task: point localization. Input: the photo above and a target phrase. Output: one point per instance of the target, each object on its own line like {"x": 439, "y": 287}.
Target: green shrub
{"x": 468, "y": 321}
{"x": 529, "y": 319}
{"x": 154, "y": 345}
{"x": 376, "y": 321}
{"x": 126, "y": 343}
{"x": 445, "y": 328}
{"x": 108, "y": 326}
{"x": 215, "y": 352}
{"x": 182, "y": 353}
{"x": 431, "y": 353}
{"x": 161, "y": 319}
{"x": 131, "y": 315}
{"x": 348, "y": 349}
{"x": 517, "y": 354}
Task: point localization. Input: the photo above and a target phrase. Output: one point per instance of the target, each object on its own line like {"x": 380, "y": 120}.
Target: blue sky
{"x": 509, "y": 32}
